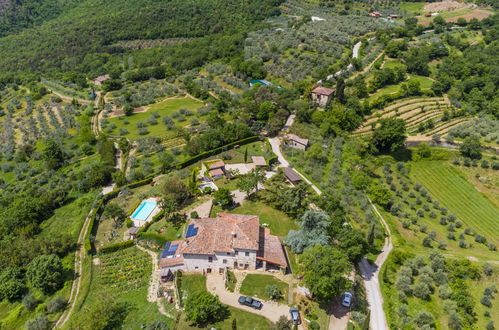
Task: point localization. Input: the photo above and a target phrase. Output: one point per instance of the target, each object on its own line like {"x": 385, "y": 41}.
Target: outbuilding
{"x": 322, "y": 95}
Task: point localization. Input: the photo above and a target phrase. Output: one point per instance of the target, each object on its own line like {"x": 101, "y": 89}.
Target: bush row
{"x": 218, "y": 150}
{"x": 116, "y": 247}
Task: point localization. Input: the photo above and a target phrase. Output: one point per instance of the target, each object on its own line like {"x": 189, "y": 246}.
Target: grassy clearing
{"x": 167, "y": 108}
{"x": 254, "y": 286}
{"x": 413, "y": 7}
{"x": 452, "y": 189}
{"x": 278, "y": 222}
{"x": 424, "y": 82}
{"x": 244, "y": 320}
{"x": 69, "y": 218}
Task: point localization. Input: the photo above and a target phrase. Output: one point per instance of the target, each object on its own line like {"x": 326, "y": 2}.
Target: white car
{"x": 347, "y": 299}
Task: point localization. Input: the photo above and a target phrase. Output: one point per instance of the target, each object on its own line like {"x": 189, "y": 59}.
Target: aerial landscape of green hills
{"x": 267, "y": 164}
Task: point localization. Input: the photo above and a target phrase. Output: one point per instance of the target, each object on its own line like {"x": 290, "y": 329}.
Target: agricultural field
{"x": 159, "y": 119}
{"x": 427, "y": 115}
{"x": 254, "y": 285}
{"x": 194, "y": 283}
{"x": 121, "y": 279}
{"x": 453, "y": 190}
{"x": 436, "y": 207}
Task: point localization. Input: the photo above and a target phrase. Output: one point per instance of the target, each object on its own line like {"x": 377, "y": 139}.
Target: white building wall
{"x": 200, "y": 262}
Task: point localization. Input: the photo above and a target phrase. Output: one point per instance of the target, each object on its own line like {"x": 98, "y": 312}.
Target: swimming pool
{"x": 144, "y": 210}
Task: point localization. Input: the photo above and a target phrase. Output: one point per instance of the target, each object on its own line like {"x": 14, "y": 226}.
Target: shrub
{"x": 485, "y": 164}
{"x": 491, "y": 246}
{"x": 30, "y": 302}
{"x": 427, "y": 241}
{"x": 39, "y": 323}
{"x": 273, "y": 291}
{"x": 443, "y": 221}
{"x": 58, "y": 304}
{"x": 480, "y": 239}
{"x": 485, "y": 300}
{"x": 423, "y": 318}
{"x": 451, "y": 236}
{"x": 433, "y": 215}
{"x": 444, "y": 292}
{"x": 458, "y": 224}
{"x": 462, "y": 244}
{"x": 488, "y": 269}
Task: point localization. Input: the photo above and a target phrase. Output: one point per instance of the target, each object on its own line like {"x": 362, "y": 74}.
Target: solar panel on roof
{"x": 164, "y": 253}
{"x": 173, "y": 248}
{"x": 191, "y": 231}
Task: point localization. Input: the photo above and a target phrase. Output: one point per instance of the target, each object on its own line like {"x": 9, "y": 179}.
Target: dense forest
{"x": 82, "y": 38}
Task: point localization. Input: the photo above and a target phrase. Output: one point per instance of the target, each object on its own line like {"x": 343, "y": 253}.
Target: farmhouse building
{"x": 294, "y": 141}
{"x": 229, "y": 241}
{"x": 375, "y": 14}
{"x": 100, "y": 79}
{"x": 322, "y": 95}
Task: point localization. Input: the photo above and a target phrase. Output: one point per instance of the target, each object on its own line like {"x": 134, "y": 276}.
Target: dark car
{"x": 248, "y": 301}
{"x": 295, "y": 315}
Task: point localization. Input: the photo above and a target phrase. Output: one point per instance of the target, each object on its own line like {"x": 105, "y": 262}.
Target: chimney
{"x": 234, "y": 234}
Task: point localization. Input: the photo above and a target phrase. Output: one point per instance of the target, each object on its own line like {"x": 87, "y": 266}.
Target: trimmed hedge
{"x": 218, "y": 150}
{"x": 116, "y": 247}
{"x": 158, "y": 238}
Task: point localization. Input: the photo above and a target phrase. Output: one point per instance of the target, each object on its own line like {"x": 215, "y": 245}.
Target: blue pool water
{"x": 143, "y": 211}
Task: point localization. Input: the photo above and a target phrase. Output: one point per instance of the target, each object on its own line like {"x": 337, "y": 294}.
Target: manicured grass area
{"x": 413, "y": 7}
{"x": 424, "y": 82}
{"x": 293, "y": 260}
{"x": 278, "y": 222}
{"x": 254, "y": 286}
{"x": 449, "y": 186}
{"x": 390, "y": 89}
{"x": 123, "y": 276}
{"x": 166, "y": 108}
{"x": 245, "y": 320}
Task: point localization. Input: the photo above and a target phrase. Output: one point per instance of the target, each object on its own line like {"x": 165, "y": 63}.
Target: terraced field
{"x": 414, "y": 111}
{"x": 459, "y": 196}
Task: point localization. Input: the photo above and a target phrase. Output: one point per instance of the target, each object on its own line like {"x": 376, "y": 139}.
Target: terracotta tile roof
{"x": 323, "y": 90}
{"x": 170, "y": 262}
{"x": 216, "y": 172}
{"x": 217, "y": 164}
{"x": 270, "y": 249}
{"x": 102, "y": 78}
{"x": 259, "y": 160}
{"x": 224, "y": 233}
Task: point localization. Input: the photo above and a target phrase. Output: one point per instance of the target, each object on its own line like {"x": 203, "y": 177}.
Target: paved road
{"x": 371, "y": 280}
{"x": 356, "y": 49}
{"x": 271, "y": 310}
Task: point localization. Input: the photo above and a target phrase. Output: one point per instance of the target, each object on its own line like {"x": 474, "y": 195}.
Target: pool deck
{"x": 140, "y": 223}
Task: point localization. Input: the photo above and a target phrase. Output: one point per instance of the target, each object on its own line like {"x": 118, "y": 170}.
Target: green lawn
{"x": 278, "y": 222}
{"x": 449, "y": 186}
{"x": 390, "y": 89}
{"x": 254, "y": 286}
{"x": 413, "y": 7}
{"x": 424, "y": 82}
{"x": 164, "y": 109}
{"x": 244, "y": 320}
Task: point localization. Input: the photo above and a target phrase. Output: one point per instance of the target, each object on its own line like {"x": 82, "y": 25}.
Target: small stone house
{"x": 322, "y": 95}
{"x": 100, "y": 79}
{"x": 217, "y": 169}
{"x": 294, "y": 141}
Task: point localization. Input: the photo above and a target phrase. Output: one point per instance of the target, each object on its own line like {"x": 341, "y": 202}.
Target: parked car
{"x": 347, "y": 299}
{"x": 295, "y": 315}
{"x": 248, "y": 301}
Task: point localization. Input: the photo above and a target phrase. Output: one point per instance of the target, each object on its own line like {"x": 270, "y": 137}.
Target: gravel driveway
{"x": 270, "y": 310}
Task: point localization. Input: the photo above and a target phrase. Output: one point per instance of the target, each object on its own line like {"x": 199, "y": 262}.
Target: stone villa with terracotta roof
{"x": 229, "y": 241}
{"x": 322, "y": 95}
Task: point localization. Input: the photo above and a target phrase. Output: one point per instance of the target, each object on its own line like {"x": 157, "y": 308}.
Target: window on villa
{"x": 225, "y": 261}
{"x": 210, "y": 259}
{"x": 246, "y": 254}
{"x": 237, "y": 252}
{"x": 228, "y": 253}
